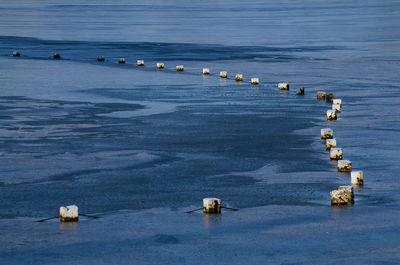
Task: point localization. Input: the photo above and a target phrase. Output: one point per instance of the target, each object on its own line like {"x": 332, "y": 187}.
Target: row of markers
{"x": 344, "y": 195}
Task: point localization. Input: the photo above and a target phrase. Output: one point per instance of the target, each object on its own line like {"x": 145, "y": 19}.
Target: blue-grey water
{"x": 139, "y": 146}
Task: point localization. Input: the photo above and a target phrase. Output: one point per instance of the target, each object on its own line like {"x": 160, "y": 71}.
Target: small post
{"x": 284, "y": 86}
{"x": 206, "y": 71}
{"x": 336, "y": 107}
{"x": 179, "y": 68}
{"x": 223, "y": 74}
{"x": 121, "y": 60}
{"x": 16, "y": 54}
{"x": 211, "y": 205}
{"x": 300, "y": 91}
{"x": 331, "y": 115}
{"x": 321, "y": 95}
{"x": 255, "y": 81}
{"x": 160, "y": 65}
{"x": 330, "y": 97}
{"x": 100, "y": 58}
{"x": 344, "y": 195}
{"x": 357, "y": 178}
{"x": 337, "y": 101}
{"x": 140, "y": 63}
{"x": 326, "y": 133}
{"x": 330, "y": 143}
{"x": 69, "y": 213}
{"x": 56, "y": 56}
{"x": 344, "y": 166}
{"x": 336, "y": 154}
{"x": 239, "y": 78}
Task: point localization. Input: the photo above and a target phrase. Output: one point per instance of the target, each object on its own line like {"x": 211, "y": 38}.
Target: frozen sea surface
{"x": 140, "y": 146}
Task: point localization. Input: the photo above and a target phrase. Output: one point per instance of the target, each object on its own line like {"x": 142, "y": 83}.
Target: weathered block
{"x": 160, "y": 65}
{"x": 357, "y": 178}
{"x": 330, "y": 143}
{"x": 331, "y": 115}
{"x": 179, "y": 68}
{"x": 140, "y": 63}
{"x": 56, "y": 56}
{"x": 326, "y": 133}
{"x": 211, "y": 205}
{"x": 255, "y": 81}
{"x": 239, "y": 77}
{"x": 206, "y": 71}
{"x": 336, "y": 153}
{"x": 300, "y": 91}
{"x": 337, "y": 101}
{"x": 344, "y": 166}
{"x": 344, "y": 195}
{"x": 336, "y": 107}
{"x": 223, "y": 74}
{"x": 284, "y": 86}
{"x": 16, "y": 54}
{"x": 100, "y": 58}
{"x": 121, "y": 60}
{"x": 330, "y": 97}
{"x": 69, "y": 213}
{"x": 321, "y": 95}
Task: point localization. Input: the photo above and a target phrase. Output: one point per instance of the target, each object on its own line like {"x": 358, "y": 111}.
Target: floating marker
{"x": 344, "y": 195}
{"x": 330, "y": 143}
{"x": 160, "y": 65}
{"x": 211, "y": 205}
{"x": 331, "y": 115}
{"x": 336, "y": 107}
{"x": 100, "y": 58}
{"x": 223, "y": 74}
{"x": 179, "y": 68}
{"x": 326, "y": 133}
{"x": 344, "y": 166}
{"x": 140, "y": 63}
{"x": 255, "y": 81}
{"x": 337, "y": 101}
{"x": 239, "y": 78}
{"x": 336, "y": 153}
{"x": 69, "y": 213}
{"x": 357, "y": 178}
{"x": 206, "y": 71}
{"x": 300, "y": 91}
{"x": 330, "y": 97}
{"x": 16, "y": 54}
{"x": 56, "y": 56}
{"x": 121, "y": 60}
{"x": 321, "y": 95}
{"x": 284, "y": 86}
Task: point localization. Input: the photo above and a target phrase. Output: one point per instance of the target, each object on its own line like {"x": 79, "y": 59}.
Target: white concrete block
{"x": 326, "y": 133}
{"x": 336, "y": 154}
{"x": 140, "y": 63}
{"x": 69, "y": 213}
{"x": 331, "y": 115}
{"x": 223, "y": 74}
{"x": 330, "y": 143}
{"x": 357, "y": 178}
{"x": 255, "y": 81}
{"x": 211, "y": 205}
{"x": 284, "y": 86}
{"x": 160, "y": 65}
{"x": 239, "y": 77}
{"x": 344, "y": 195}
{"x": 179, "y": 68}
{"x": 344, "y": 166}
{"x": 206, "y": 71}
{"x": 337, "y": 101}
{"x": 336, "y": 107}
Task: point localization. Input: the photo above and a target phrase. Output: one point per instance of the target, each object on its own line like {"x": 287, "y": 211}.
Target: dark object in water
{"x": 300, "y": 91}
{"x": 121, "y": 60}
{"x": 100, "y": 58}
{"x": 16, "y": 53}
{"x": 321, "y": 95}
{"x": 330, "y": 97}
{"x": 56, "y": 56}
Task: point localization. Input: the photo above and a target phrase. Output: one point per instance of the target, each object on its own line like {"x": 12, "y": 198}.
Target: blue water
{"x": 140, "y": 146}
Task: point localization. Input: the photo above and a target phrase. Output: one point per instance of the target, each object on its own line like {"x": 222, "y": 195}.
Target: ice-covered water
{"x": 140, "y": 146}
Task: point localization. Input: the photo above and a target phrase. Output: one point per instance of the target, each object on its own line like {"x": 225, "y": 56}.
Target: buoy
{"x": 326, "y": 133}
{"x": 179, "y": 68}
{"x": 283, "y": 86}
{"x": 69, "y": 213}
{"x": 300, "y": 91}
{"x": 331, "y": 115}
{"x": 255, "y": 81}
{"x": 160, "y": 65}
{"x": 239, "y": 78}
{"x": 16, "y": 54}
{"x": 336, "y": 107}
{"x": 121, "y": 60}
{"x": 206, "y": 71}
{"x": 337, "y": 101}
{"x": 357, "y": 178}
{"x": 321, "y": 95}
{"x": 344, "y": 195}
{"x": 223, "y": 74}
{"x": 330, "y": 97}
{"x": 336, "y": 153}
{"x": 344, "y": 166}
{"x": 100, "y": 58}
{"x": 140, "y": 63}
{"x": 56, "y": 56}
{"x": 330, "y": 143}
{"x": 211, "y": 205}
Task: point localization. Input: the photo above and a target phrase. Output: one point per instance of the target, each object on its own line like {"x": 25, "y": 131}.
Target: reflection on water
{"x": 210, "y": 220}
